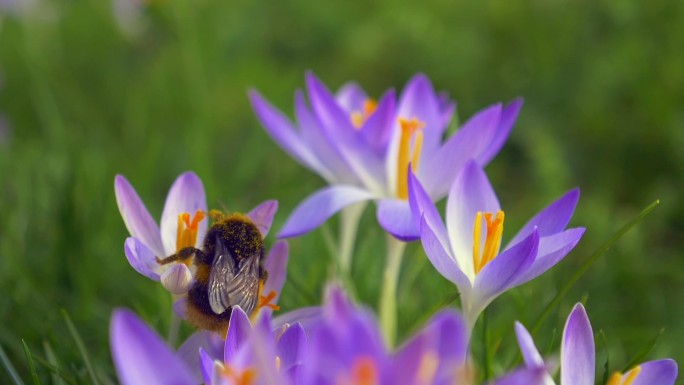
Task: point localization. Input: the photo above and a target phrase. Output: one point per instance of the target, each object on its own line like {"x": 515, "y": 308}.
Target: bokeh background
{"x": 150, "y": 89}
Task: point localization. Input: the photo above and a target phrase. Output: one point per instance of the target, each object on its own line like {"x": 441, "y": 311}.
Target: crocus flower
{"x": 141, "y": 357}
{"x": 578, "y": 357}
{"x": 363, "y": 148}
{"x": 347, "y": 348}
{"x": 184, "y": 224}
{"x": 467, "y": 250}
{"x": 256, "y": 354}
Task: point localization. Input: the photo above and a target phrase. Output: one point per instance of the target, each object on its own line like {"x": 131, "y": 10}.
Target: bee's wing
{"x": 230, "y": 288}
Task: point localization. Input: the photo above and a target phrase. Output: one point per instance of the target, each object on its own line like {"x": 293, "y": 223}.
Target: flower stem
{"x": 349, "y": 224}
{"x": 174, "y": 329}
{"x": 388, "y": 295}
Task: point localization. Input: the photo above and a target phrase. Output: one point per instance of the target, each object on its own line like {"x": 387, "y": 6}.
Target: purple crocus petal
{"x": 326, "y": 107}
{"x": 283, "y": 133}
{"x": 291, "y": 347}
{"x": 239, "y": 330}
{"x": 470, "y": 142}
{"x": 262, "y": 216}
{"x": 337, "y": 304}
{"x": 447, "y": 107}
{"x": 351, "y": 97}
{"x": 138, "y": 220}
{"x": 185, "y": 196}
{"x": 141, "y": 258}
{"x": 377, "y": 131}
{"x": 202, "y": 341}
{"x": 320, "y": 206}
{"x": 551, "y": 219}
{"x": 501, "y": 273}
{"x": 508, "y": 118}
{"x": 141, "y": 357}
{"x": 659, "y": 372}
{"x": 470, "y": 193}
{"x": 444, "y": 263}
{"x": 206, "y": 366}
{"x": 308, "y": 317}
{"x": 418, "y": 100}
{"x": 526, "y": 376}
{"x": 396, "y": 217}
{"x": 552, "y": 249}
{"x": 423, "y": 206}
{"x": 577, "y": 349}
{"x": 529, "y": 351}
{"x": 276, "y": 265}
{"x": 334, "y": 166}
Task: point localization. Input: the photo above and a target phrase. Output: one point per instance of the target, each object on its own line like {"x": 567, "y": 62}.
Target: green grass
{"x": 604, "y": 95}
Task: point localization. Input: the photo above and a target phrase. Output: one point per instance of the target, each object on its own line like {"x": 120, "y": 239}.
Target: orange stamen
{"x": 492, "y": 241}
{"x": 407, "y": 153}
{"x": 359, "y": 118}
{"x": 265, "y": 301}
{"x": 186, "y": 232}
{"x": 365, "y": 372}
{"x": 237, "y": 377}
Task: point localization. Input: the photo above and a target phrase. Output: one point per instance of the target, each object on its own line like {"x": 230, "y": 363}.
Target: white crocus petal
{"x": 177, "y": 279}
{"x": 185, "y": 196}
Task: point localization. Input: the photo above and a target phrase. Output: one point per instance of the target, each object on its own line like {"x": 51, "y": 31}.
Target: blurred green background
{"x": 161, "y": 88}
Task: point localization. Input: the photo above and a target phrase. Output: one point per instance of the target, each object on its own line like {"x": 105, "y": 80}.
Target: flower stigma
{"x": 359, "y": 118}
{"x": 624, "y": 379}
{"x": 427, "y": 369}
{"x": 492, "y": 240}
{"x": 411, "y": 131}
{"x": 186, "y": 233}
{"x": 265, "y": 301}
{"x": 237, "y": 377}
{"x": 364, "y": 372}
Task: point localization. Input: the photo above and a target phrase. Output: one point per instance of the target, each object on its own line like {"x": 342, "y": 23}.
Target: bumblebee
{"x": 229, "y": 271}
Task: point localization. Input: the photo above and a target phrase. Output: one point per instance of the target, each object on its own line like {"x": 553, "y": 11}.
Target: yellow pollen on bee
{"x": 427, "y": 369}
{"x": 237, "y": 377}
{"x": 359, "y": 118}
{"x": 365, "y": 372}
{"x": 624, "y": 379}
{"x": 492, "y": 240}
{"x": 186, "y": 233}
{"x": 411, "y": 129}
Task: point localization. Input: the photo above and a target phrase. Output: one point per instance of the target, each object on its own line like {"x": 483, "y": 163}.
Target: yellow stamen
{"x": 624, "y": 379}
{"x": 186, "y": 233}
{"x": 277, "y": 364}
{"x": 359, "y": 118}
{"x": 237, "y": 377}
{"x": 492, "y": 242}
{"x": 427, "y": 369}
{"x": 264, "y": 301}
{"x": 408, "y": 154}
{"x": 365, "y": 372}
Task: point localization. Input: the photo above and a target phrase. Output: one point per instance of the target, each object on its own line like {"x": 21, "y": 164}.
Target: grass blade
{"x": 639, "y": 357}
{"x": 81, "y": 347}
{"x": 57, "y": 377}
{"x": 589, "y": 262}
{"x": 32, "y": 366}
{"x": 10, "y": 368}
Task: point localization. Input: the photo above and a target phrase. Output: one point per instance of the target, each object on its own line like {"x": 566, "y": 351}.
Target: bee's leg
{"x": 182, "y": 256}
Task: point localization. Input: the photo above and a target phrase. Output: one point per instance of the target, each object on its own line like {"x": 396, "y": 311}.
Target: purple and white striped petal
{"x": 262, "y": 216}
{"x": 470, "y": 193}
{"x": 138, "y": 220}
{"x": 276, "y": 265}
{"x": 659, "y": 372}
{"x": 291, "y": 347}
{"x": 396, "y": 217}
{"x": 552, "y": 249}
{"x": 320, "y": 206}
{"x": 239, "y": 329}
{"x": 283, "y": 133}
{"x": 202, "y": 341}
{"x": 508, "y": 117}
{"x": 444, "y": 263}
{"x": 351, "y": 97}
{"x": 423, "y": 206}
{"x": 377, "y": 131}
{"x": 470, "y": 142}
{"x": 141, "y": 357}
{"x": 141, "y": 258}
{"x": 206, "y": 365}
{"x": 529, "y": 351}
{"x": 552, "y": 219}
{"x": 577, "y": 349}
{"x": 418, "y": 100}
{"x": 185, "y": 196}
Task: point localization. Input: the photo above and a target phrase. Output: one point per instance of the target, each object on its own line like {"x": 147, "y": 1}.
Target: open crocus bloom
{"x": 183, "y": 224}
{"x": 363, "y": 148}
{"x": 578, "y": 357}
{"x": 348, "y": 348}
{"x": 467, "y": 250}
